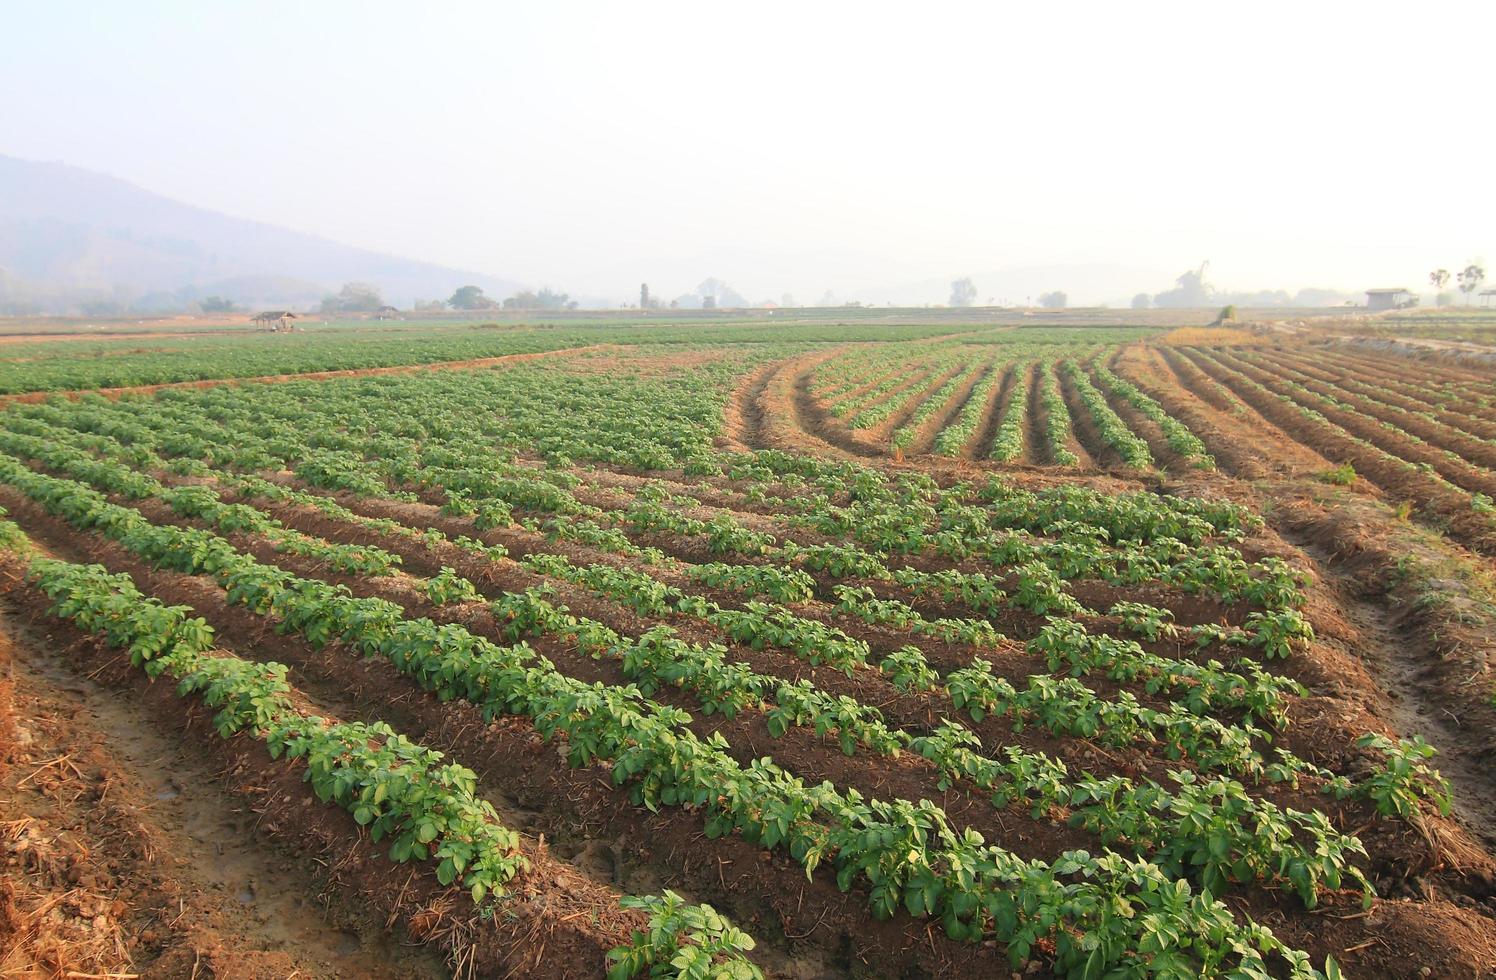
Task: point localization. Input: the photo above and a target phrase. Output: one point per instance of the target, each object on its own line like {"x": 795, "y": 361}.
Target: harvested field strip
{"x": 1396, "y": 477}
{"x": 1452, "y": 411}
{"x": 1441, "y": 372}
{"x": 1345, "y": 410}
{"x": 1201, "y": 385}
{"x": 1401, "y": 375}
{"x": 1469, "y": 448}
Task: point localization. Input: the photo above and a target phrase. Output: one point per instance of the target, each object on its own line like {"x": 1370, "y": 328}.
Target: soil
{"x": 124, "y": 852}
{"x": 1388, "y": 658}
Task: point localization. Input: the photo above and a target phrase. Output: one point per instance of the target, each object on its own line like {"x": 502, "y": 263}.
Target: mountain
{"x": 70, "y": 237}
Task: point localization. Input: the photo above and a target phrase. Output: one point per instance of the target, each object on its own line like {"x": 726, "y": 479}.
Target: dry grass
{"x": 1211, "y": 337}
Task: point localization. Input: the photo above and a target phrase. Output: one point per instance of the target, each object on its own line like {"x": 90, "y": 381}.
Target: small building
{"x": 386, "y": 313}
{"x": 279, "y": 321}
{"x": 1388, "y": 299}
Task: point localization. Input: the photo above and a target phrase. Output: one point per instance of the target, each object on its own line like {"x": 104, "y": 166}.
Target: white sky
{"x": 794, "y": 146}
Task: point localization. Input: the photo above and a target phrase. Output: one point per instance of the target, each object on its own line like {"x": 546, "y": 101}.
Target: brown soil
{"x": 1433, "y": 502}
{"x": 909, "y": 398}
{"x": 767, "y": 893}
{"x": 924, "y": 439}
{"x": 253, "y": 914}
{"x": 1388, "y": 659}
{"x": 980, "y": 446}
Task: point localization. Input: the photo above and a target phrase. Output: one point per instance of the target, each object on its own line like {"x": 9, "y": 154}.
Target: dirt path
{"x": 1422, "y": 655}
{"x": 149, "y": 865}
{"x": 765, "y": 410}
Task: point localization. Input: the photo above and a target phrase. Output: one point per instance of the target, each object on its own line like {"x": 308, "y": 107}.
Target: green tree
{"x": 217, "y": 304}
{"x": 470, "y": 298}
{"x": 546, "y": 299}
{"x": 354, "y": 297}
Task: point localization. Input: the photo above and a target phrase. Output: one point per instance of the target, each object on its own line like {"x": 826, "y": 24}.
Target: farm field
{"x": 709, "y": 648}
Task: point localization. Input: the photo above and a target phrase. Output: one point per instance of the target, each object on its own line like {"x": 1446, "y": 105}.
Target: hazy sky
{"x": 793, "y": 146}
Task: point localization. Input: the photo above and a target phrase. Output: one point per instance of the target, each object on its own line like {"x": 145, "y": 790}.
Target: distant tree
{"x": 1439, "y": 278}
{"x": 1056, "y": 300}
{"x": 963, "y": 292}
{"x": 354, "y": 297}
{"x": 1142, "y": 301}
{"x": 546, "y": 299}
{"x": 1311, "y": 296}
{"x": 471, "y": 298}
{"x": 644, "y": 296}
{"x": 1470, "y": 279}
{"x": 429, "y": 305}
{"x": 787, "y": 300}
{"x": 1190, "y": 289}
{"x": 721, "y": 295}
{"x": 217, "y": 304}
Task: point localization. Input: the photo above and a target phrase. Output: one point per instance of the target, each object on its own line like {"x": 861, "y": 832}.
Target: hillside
{"x": 70, "y": 236}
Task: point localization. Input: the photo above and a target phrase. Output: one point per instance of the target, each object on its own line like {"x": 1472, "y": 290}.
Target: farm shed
{"x": 277, "y": 320}
{"x": 1387, "y": 299}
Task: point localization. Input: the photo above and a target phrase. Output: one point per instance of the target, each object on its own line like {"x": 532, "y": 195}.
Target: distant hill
{"x": 70, "y": 237}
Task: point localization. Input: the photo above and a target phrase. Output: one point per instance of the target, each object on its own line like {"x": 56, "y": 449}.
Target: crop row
{"x": 1109, "y": 425}
{"x": 1176, "y": 433}
{"x": 977, "y": 889}
{"x": 399, "y": 791}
